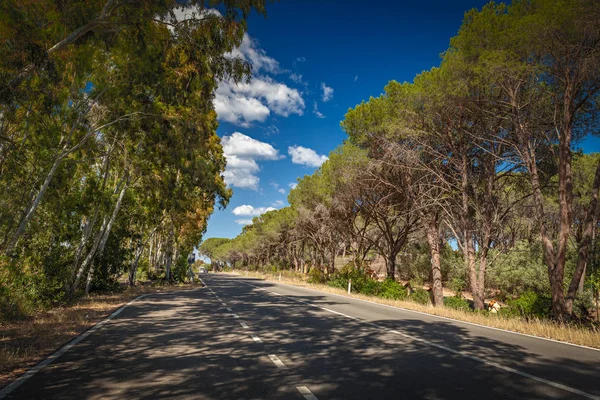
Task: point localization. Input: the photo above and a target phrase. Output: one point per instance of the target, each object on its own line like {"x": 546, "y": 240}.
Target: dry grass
{"x": 583, "y": 336}
{"x": 25, "y": 343}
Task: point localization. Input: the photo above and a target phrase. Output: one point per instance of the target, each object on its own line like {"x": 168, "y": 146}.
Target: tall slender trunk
{"x": 82, "y": 268}
{"x": 33, "y": 206}
{"x": 585, "y": 244}
{"x": 433, "y": 238}
{"x": 106, "y": 234}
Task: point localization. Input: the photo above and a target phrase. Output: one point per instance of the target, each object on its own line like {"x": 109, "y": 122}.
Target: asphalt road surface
{"x": 241, "y": 338}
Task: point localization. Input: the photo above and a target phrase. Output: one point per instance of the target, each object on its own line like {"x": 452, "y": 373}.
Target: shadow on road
{"x": 187, "y": 345}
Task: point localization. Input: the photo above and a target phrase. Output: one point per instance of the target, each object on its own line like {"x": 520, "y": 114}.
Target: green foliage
{"x": 390, "y": 289}
{"x": 529, "y": 305}
{"x": 316, "y": 275}
{"x": 120, "y": 123}
{"x": 420, "y": 296}
{"x": 359, "y": 278}
{"x": 518, "y": 271}
{"x": 457, "y": 303}
{"x": 458, "y": 285}
{"x": 180, "y": 269}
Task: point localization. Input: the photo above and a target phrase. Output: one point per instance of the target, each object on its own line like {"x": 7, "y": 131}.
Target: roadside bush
{"x": 360, "y": 279}
{"x": 529, "y": 305}
{"x": 420, "y": 296}
{"x": 179, "y": 270}
{"x": 372, "y": 288}
{"x": 457, "y": 303}
{"x": 458, "y": 285}
{"x": 315, "y": 275}
{"x": 390, "y": 289}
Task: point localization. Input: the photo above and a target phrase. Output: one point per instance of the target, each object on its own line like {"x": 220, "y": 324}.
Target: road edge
{"x": 42, "y": 364}
{"x": 424, "y": 313}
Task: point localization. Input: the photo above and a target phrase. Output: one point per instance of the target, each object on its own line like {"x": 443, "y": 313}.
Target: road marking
{"x": 276, "y": 361}
{"x": 448, "y": 349}
{"x": 244, "y": 325}
{"x": 8, "y": 389}
{"x": 306, "y": 393}
{"x": 229, "y": 309}
{"x": 222, "y": 302}
{"x": 431, "y": 315}
{"x": 256, "y": 339}
{"x": 235, "y": 315}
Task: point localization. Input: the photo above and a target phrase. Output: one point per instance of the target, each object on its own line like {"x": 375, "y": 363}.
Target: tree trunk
{"x": 89, "y": 258}
{"x": 433, "y": 238}
{"x": 33, "y": 207}
{"x": 585, "y": 244}
{"x": 390, "y": 266}
{"x": 106, "y": 234}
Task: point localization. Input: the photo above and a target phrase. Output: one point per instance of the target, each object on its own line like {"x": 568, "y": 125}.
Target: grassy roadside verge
{"x": 541, "y": 328}
{"x": 25, "y": 343}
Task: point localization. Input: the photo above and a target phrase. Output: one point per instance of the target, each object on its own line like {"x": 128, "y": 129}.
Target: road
{"x": 242, "y": 338}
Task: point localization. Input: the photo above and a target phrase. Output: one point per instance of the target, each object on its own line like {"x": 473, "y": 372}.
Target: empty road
{"x": 242, "y": 338}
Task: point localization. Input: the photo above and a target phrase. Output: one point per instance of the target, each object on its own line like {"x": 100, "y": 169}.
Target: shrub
{"x": 420, "y": 296}
{"x": 372, "y": 288}
{"x": 359, "y": 276}
{"x": 458, "y": 285}
{"x": 315, "y": 275}
{"x": 529, "y": 305}
{"x": 457, "y": 303}
{"x": 390, "y": 289}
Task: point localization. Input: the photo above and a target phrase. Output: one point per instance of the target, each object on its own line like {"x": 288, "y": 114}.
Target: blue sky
{"x": 312, "y": 61}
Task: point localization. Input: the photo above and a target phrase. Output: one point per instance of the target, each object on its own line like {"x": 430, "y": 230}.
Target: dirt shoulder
{"x": 25, "y": 343}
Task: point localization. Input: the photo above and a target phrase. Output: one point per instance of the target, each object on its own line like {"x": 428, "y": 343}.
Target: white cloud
{"x": 243, "y": 221}
{"x": 316, "y": 111}
{"x": 248, "y": 211}
{"x": 250, "y": 51}
{"x": 282, "y": 191}
{"x": 272, "y": 130}
{"x": 327, "y": 92}
{"x": 296, "y": 78}
{"x": 355, "y": 78}
{"x": 242, "y": 152}
{"x": 301, "y": 59}
{"x": 278, "y": 203}
{"x": 245, "y": 103}
{"x": 305, "y": 156}
{"x": 292, "y": 185}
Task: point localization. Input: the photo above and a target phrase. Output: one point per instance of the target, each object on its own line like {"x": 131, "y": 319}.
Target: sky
{"x": 312, "y": 61}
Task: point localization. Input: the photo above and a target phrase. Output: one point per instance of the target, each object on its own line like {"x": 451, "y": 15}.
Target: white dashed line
{"x": 306, "y": 393}
{"x": 256, "y": 339}
{"x": 276, "y": 361}
{"x": 235, "y": 315}
{"x": 244, "y": 325}
{"x": 448, "y": 349}
{"x": 229, "y": 309}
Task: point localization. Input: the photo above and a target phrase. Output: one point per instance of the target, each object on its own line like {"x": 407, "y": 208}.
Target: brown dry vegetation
{"x": 26, "y": 342}
{"x": 583, "y": 336}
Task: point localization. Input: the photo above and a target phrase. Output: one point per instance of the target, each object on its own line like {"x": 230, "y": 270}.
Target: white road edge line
{"x": 304, "y": 391}
{"x": 276, "y": 361}
{"x": 429, "y": 315}
{"x": 448, "y": 349}
{"x": 244, "y": 325}
{"x": 19, "y": 381}
{"x": 256, "y": 338}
